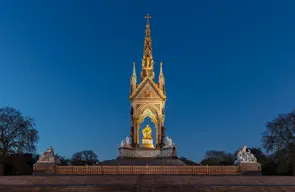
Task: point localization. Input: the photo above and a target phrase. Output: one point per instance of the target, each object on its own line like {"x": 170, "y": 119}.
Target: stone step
{"x": 148, "y": 188}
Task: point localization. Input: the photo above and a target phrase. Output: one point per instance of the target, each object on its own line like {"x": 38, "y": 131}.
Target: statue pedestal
{"x": 44, "y": 168}
{"x": 148, "y": 143}
{"x": 250, "y": 168}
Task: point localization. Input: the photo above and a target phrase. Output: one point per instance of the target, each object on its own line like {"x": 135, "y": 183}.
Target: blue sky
{"x": 229, "y": 68}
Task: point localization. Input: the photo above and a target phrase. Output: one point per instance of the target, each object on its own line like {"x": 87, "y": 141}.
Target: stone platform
{"x": 148, "y": 183}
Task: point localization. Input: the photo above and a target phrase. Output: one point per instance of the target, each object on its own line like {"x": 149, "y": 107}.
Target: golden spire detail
{"x": 147, "y": 60}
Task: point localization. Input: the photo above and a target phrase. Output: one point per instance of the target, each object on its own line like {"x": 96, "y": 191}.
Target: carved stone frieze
{"x": 126, "y": 152}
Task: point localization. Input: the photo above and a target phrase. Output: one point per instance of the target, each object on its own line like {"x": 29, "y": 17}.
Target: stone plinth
{"x": 44, "y": 168}
{"x": 148, "y": 143}
{"x": 250, "y": 168}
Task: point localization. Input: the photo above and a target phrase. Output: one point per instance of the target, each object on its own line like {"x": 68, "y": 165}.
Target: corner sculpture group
{"x": 244, "y": 156}
{"x": 48, "y": 157}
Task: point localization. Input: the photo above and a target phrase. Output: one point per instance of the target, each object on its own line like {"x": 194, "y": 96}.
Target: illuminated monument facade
{"x": 147, "y": 99}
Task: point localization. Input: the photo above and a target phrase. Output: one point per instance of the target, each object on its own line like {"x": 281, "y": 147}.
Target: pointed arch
{"x": 150, "y": 114}
{"x": 148, "y": 108}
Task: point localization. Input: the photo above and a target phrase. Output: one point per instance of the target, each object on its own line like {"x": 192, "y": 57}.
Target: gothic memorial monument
{"x": 147, "y": 99}
{"x": 148, "y": 146}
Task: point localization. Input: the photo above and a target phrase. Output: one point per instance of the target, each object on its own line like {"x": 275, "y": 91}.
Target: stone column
{"x": 159, "y": 135}
{"x": 133, "y": 126}
{"x": 162, "y": 135}
{"x": 132, "y": 135}
{"x": 161, "y": 131}
{"x": 137, "y": 133}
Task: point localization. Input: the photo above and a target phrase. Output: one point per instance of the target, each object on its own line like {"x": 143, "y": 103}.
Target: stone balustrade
{"x": 166, "y": 170}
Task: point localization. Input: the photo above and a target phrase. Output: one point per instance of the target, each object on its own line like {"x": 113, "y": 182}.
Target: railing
{"x": 181, "y": 170}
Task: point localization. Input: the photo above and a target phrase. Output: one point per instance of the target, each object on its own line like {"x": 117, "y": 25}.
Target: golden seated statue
{"x": 147, "y": 140}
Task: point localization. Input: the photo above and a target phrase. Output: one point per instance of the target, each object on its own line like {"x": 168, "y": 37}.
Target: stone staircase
{"x": 146, "y": 183}
{"x": 138, "y": 188}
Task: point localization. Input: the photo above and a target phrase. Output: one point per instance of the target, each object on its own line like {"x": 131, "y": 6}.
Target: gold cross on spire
{"x": 147, "y": 17}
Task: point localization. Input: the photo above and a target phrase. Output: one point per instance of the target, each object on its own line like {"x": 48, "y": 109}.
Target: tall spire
{"x": 133, "y": 80}
{"x": 147, "y": 60}
{"x": 161, "y": 69}
{"x": 161, "y": 78}
{"x": 134, "y": 70}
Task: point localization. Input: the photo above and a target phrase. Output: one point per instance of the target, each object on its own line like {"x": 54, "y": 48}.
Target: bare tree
{"x": 84, "y": 157}
{"x": 188, "y": 161}
{"x": 17, "y": 133}
{"x": 63, "y": 160}
{"x": 214, "y": 157}
{"x": 280, "y": 136}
